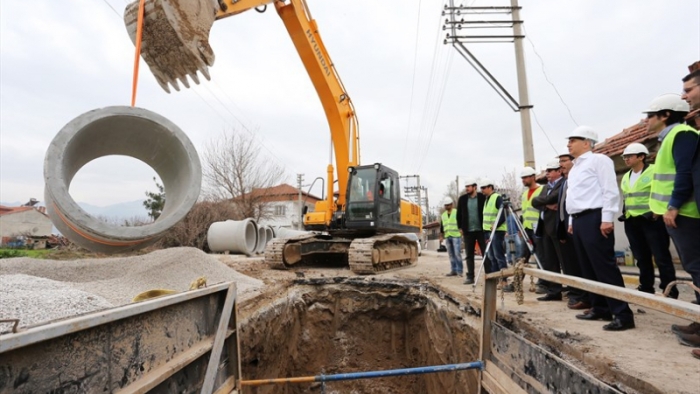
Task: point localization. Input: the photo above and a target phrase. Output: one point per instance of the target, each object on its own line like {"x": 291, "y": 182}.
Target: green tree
{"x": 155, "y": 201}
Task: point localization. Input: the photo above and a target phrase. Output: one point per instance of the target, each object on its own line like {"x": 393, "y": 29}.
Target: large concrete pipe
{"x": 126, "y": 131}
{"x": 262, "y": 240}
{"x": 236, "y": 236}
{"x": 282, "y": 232}
{"x": 269, "y": 234}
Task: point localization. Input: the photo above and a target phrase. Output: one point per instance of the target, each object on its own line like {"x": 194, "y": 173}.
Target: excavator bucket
{"x": 175, "y": 38}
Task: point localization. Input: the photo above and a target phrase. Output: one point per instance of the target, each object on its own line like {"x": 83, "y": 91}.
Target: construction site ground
{"x": 648, "y": 356}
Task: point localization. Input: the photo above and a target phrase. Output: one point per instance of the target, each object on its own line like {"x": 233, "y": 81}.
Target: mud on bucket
{"x": 125, "y": 131}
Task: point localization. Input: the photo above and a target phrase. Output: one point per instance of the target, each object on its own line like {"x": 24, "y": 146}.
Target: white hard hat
{"x": 470, "y": 181}
{"x": 553, "y": 165}
{"x": 585, "y": 132}
{"x": 668, "y": 101}
{"x": 565, "y": 152}
{"x": 635, "y": 148}
{"x": 486, "y": 182}
{"x": 527, "y": 171}
{"x": 447, "y": 201}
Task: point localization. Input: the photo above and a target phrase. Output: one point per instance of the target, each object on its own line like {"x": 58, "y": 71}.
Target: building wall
{"x": 291, "y": 216}
{"x": 30, "y": 222}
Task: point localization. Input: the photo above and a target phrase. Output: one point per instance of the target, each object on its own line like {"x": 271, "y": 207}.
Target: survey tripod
{"x": 508, "y": 208}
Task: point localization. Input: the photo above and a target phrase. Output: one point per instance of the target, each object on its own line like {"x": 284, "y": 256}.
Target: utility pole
{"x": 525, "y": 122}
{"x": 457, "y": 184}
{"x": 300, "y": 180}
{"x": 459, "y": 21}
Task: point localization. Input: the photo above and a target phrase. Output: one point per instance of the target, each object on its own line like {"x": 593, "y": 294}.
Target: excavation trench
{"x": 332, "y": 326}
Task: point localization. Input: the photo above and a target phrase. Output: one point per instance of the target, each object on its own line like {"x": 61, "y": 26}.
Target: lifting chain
{"x": 503, "y": 294}
{"x": 533, "y": 288}
{"x": 518, "y": 277}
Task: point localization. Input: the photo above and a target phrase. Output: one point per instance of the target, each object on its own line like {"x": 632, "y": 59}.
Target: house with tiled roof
{"x": 24, "y": 221}
{"x": 282, "y": 204}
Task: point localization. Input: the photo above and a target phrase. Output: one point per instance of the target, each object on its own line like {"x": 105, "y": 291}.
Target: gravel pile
{"x": 19, "y": 299}
{"x": 110, "y": 281}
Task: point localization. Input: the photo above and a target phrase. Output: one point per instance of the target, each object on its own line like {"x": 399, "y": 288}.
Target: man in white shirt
{"x": 592, "y": 200}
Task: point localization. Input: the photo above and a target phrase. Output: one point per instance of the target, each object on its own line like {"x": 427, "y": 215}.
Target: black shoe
{"x": 619, "y": 325}
{"x": 643, "y": 290}
{"x": 452, "y": 274}
{"x": 469, "y": 281}
{"x": 591, "y": 315}
{"x": 541, "y": 289}
{"x": 673, "y": 293}
{"x": 508, "y": 288}
{"x": 550, "y": 297}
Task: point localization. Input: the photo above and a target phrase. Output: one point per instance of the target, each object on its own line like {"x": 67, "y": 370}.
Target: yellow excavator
{"x": 361, "y": 222}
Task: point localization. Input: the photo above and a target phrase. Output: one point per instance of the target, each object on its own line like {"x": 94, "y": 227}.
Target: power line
{"x": 546, "y": 77}
{"x": 413, "y": 83}
{"x": 534, "y": 115}
{"x": 110, "y": 6}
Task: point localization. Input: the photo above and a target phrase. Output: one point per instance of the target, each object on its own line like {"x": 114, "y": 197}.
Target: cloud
{"x": 607, "y": 60}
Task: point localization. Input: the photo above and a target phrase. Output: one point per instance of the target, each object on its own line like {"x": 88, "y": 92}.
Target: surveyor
{"x": 449, "y": 231}
{"x": 672, "y": 189}
{"x": 470, "y": 207}
{"x": 578, "y": 299}
{"x": 548, "y": 218}
{"x": 592, "y": 201}
{"x": 530, "y": 214}
{"x": 496, "y": 254}
{"x": 646, "y": 232}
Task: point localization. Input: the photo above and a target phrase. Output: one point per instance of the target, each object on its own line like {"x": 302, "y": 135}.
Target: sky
{"x": 422, "y": 109}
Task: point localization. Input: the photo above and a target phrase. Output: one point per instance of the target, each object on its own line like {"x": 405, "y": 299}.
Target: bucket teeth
{"x": 175, "y": 39}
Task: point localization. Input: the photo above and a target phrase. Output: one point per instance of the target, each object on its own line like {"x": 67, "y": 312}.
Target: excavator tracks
{"x": 365, "y": 256}
{"x": 381, "y": 253}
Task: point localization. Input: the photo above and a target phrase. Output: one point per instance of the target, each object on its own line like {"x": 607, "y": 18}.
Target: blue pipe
{"x": 397, "y": 372}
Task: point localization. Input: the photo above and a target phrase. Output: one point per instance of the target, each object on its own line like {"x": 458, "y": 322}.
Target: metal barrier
{"x": 494, "y": 379}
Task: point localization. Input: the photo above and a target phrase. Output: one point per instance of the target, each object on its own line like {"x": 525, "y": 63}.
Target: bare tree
{"x": 511, "y": 186}
{"x": 452, "y": 193}
{"x": 192, "y": 230}
{"x": 235, "y": 170}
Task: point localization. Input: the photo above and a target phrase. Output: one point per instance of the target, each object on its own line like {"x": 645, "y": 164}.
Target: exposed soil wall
{"x": 340, "y": 328}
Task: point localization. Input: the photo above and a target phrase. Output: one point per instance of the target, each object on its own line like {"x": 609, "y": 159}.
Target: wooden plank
{"x": 217, "y": 348}
{"x": 670, "y": 306}
{"x": 488, "y": 313}
{"x": 504, "y": 380}
{"x": 227, "y": 387}
{"x": 491, "y": 384}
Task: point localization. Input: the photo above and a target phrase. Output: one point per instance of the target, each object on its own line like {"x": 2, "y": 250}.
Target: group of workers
{"x": 570, "y": 218}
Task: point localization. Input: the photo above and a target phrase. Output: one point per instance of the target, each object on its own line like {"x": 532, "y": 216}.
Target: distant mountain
{"x": 118, "y": 212}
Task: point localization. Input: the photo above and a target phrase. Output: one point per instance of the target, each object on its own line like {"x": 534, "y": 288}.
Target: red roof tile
{"x": 616, "y": 144}
{"x": 281, "y": 192}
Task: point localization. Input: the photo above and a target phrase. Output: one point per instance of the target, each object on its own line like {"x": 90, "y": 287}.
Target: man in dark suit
{"x": 547, "y": 225}
{"x": 470, "y": 216}
{"x": 578, "y": 299}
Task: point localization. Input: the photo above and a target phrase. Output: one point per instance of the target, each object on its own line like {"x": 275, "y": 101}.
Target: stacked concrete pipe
{"x": 269, "y": 233}
{"x": 126, "y": 131}
{"x": 235, "y": 236}
{"x": 262, "y": 240}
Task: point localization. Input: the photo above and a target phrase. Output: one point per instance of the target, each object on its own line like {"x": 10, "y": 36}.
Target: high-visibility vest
{"x": 636, "y": 197}
{"x": 449, "y": 224}
{"x": 490, "y": 213}
{"x": 665, "y": 175}
{"x": 530, "y": 214}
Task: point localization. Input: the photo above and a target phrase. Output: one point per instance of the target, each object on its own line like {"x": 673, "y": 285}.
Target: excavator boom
{"x": 175, "y": 45}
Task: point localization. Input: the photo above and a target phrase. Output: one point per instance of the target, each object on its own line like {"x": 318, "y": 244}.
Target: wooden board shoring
{"x": 160, "y": 345}
{"x": 538, "y": 371}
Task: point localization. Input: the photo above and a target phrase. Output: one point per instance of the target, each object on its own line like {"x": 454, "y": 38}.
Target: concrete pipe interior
{"x": 330, "y": 328}
{"x": 126, "y": 131}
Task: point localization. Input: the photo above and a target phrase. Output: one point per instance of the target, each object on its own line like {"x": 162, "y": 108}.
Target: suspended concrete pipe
{"x": 125, "y": 131}
{"x": 262, "y": 240}
{"x": 235, "y": 236}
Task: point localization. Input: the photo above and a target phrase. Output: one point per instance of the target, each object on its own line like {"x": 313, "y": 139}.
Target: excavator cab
{"x": 374, "y": 200}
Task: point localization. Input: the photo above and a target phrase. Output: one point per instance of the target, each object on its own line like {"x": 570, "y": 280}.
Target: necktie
{"x": 562, "y": 201}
